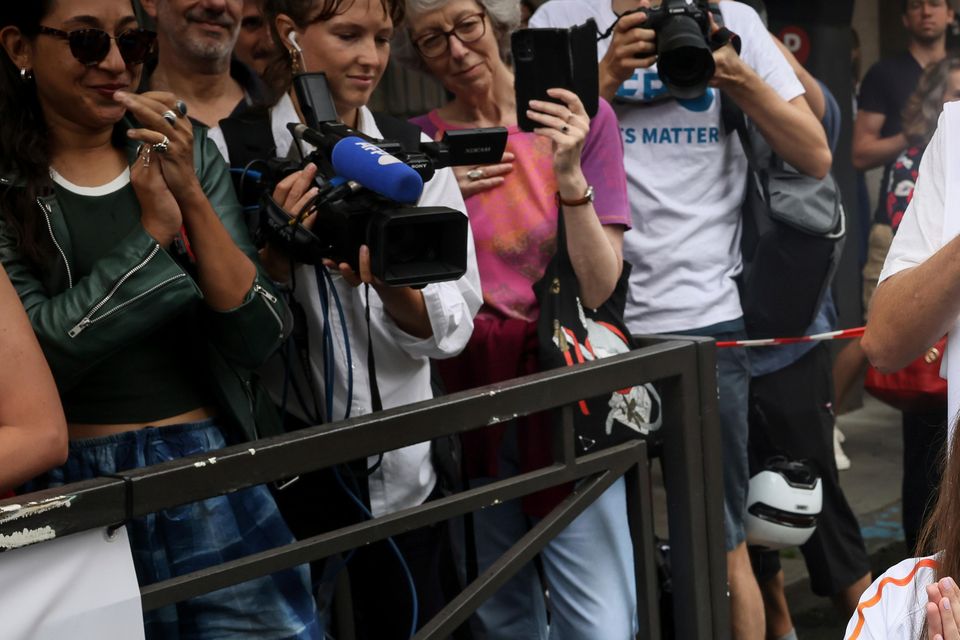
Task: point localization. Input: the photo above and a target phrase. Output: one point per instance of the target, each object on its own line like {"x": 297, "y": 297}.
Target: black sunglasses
{"x": 91, "y": 46}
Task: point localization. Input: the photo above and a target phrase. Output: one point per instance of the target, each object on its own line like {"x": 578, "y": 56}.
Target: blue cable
{"x": 327, "y": 351}
{"x": 396, "y": 550}
{"x": 255, "y": 175}
{"x": 323, "y": 281}
{"x": 346, "y": 344}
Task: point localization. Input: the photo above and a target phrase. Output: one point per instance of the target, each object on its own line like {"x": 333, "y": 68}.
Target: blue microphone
{"x": 364, "y": 162}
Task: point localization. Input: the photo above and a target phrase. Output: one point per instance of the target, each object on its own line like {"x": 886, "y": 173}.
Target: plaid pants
{"x": 195, "y": 536}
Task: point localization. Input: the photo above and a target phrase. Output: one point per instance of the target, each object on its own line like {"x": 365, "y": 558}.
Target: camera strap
{"x": 376, "y": 404}
{"x": 722, "y": 37}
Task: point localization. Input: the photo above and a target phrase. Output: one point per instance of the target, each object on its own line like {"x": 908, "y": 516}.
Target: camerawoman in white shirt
{"x": 350, "y": 43}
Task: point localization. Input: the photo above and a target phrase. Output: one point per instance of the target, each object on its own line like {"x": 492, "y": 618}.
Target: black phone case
{"x": 316, "y": 102}
{"x": 548, "y": 58}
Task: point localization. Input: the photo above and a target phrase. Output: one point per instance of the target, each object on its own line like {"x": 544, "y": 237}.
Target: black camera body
{"x": 409, "y": 245}
{"x": 684, "y": 52}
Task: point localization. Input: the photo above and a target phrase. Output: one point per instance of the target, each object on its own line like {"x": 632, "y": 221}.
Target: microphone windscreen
{"x": 364, "y": 162}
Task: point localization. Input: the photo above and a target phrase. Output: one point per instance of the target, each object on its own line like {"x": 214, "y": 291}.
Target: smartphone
{"x": 555, "y": 58}
{"x": 316, "y": 102}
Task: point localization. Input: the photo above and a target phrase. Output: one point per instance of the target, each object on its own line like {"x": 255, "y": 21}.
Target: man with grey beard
{"x": 196, "y": 40}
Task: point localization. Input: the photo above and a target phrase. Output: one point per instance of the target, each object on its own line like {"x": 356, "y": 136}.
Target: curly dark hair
{"x": 24, "y": 147}
{"x": 279, "y": 71}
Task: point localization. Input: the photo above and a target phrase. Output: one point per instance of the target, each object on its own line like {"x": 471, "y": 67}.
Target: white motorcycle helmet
{"x": 783, "y": 504}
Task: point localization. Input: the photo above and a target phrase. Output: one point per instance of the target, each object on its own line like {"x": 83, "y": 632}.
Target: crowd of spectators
{"x": 154, "y": 323}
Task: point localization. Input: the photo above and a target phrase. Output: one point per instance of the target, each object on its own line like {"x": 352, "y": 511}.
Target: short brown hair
{"x": 279, "y": 71}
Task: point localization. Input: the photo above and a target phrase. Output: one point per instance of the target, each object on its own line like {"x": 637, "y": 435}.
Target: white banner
{"x": 81, "y": 587}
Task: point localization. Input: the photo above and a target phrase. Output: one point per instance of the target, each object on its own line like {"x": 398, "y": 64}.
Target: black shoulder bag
{"x": 569, "y": 334}
{"x": 793, "y": 233}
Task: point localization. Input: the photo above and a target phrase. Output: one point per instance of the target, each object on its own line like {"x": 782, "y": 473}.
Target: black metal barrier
{"x": 684, "y": 368}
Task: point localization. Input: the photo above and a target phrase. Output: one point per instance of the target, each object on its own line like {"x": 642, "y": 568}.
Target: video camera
{"x": 367, "y": 194}
{"x": 684, "y": 47}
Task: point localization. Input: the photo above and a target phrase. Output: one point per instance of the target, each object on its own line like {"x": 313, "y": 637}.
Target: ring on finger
{"x": 475, "y": 174}
{"x": 162, "y": 146}
{"x": 564, "y": 128}
{"x": 181, "y": 107}
{"x": 170, "y": 116}
{"x": 144, "y": 154}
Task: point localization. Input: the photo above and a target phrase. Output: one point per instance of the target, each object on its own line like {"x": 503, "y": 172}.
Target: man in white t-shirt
{"x": 686, "y": 181}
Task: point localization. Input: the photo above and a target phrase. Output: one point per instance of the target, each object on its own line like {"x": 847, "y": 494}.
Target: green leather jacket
{"x": 137, "y": 287}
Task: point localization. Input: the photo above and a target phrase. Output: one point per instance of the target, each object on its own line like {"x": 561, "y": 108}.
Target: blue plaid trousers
{"x": 195, "y": 536}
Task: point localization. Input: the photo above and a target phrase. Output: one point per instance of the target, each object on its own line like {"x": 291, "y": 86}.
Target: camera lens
{"x": 684, "y": 59}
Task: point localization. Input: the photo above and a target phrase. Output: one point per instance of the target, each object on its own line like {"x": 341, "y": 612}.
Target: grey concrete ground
{"x": 872, "y": 486}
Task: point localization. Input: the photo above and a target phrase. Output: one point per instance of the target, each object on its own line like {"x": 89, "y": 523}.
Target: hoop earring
{"x": 26, "y": 75}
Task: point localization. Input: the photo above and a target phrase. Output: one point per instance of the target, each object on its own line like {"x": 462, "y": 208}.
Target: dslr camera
{"x": 367, "y": 196}
{"x": 684, "y": 49}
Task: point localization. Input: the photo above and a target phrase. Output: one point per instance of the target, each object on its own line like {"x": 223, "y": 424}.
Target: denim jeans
{"x": 194, "y": 536}
{"x": 588, "y": 568}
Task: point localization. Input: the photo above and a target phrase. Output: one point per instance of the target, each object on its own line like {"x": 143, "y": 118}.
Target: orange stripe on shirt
{"x": 897, "y": 582}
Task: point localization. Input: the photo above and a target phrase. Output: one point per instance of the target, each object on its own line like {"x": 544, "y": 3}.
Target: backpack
{"x": 793, "y": 233}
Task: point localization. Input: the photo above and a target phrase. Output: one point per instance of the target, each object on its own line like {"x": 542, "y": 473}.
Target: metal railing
{"x": 685, "y": 371}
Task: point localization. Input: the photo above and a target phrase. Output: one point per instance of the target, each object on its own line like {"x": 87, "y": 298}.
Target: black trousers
{"x": 791, "y": 414}
{"x": 382, "y": 602}
{"x": 924, "y": 437}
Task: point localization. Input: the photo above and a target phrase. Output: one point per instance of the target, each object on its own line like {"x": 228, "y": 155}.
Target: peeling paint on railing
{"x": 26, "y": 537}
{"x": 12, "y": 512}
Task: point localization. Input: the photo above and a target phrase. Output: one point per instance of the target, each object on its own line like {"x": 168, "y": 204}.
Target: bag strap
{"x": 735, "y": 120}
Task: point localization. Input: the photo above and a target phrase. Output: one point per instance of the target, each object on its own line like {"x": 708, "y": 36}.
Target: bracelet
{"x": 586, "y": 199}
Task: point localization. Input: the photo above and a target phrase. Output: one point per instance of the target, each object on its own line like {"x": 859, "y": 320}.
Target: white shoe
{"x": 843, "y": 462}
{"x": 839, "y": 434}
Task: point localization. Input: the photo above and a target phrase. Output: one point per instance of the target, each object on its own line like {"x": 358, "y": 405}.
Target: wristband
{"x": 587, "y": 198}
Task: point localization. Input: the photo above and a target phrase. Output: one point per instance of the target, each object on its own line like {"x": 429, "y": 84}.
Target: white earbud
{"x": 292, "y": 38}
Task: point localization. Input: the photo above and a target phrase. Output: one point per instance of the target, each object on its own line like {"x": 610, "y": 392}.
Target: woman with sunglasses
{"x": 124, "y": 241}
{"x": 513, "y": 208}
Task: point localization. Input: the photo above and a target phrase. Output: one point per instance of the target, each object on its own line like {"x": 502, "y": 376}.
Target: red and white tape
{"x": 843, "y": 334}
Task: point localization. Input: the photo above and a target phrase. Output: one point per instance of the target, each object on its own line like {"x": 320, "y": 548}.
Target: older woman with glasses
{"x": 514, "y": 207}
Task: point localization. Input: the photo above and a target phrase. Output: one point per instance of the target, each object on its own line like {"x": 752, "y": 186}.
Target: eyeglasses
{"x": 435, "y": 44}
{"x": 913, "y": 5}
{"x": 91, "y": 46}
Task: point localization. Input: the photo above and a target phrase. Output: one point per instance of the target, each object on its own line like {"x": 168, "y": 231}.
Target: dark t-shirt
{"x": 158, "y": 375}
{"x": 886, "y": 89}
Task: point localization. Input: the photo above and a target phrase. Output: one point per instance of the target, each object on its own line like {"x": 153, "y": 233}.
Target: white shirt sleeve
{"x": 893, "y": 607}
{"x": 562, "y": 13}
{"x": 920, "y": 233}
{"x": 451, "y": 306}
{"x": 759, "y": 50}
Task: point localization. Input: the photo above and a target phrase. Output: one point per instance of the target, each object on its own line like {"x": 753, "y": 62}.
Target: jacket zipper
{"x": 270, "y": 301}
{"x": 46, "y": 215}
{"x": 89, "y": 319}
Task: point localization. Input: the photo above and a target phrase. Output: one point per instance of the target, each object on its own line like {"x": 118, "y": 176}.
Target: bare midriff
{"x": 84, "y": 431}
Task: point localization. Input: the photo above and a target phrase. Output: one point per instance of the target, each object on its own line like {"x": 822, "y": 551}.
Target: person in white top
{"x": 916, "y": 302}
{"x": 918, "y": 598}
{"x": 686, "y": 180}
{"x": 917, "y": 299}
{"x": 350, "y": 43}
